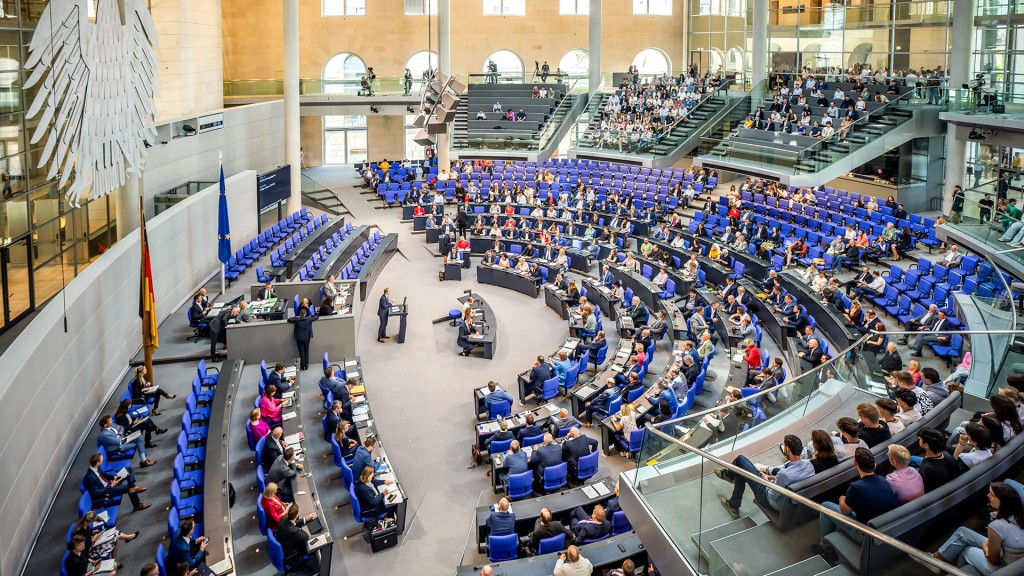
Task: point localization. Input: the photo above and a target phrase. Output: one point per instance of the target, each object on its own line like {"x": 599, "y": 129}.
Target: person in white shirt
{"x": 572, "y": 563}
{"x": 874, "y": 288}
{"x": 848, "y": 440}
{"x": 329, "y": 289}
{"x": 953, "y": 257}
{"x": 907, "y": 401}
{"x": 661, "y": 279}
{"x": 973, "y": 447}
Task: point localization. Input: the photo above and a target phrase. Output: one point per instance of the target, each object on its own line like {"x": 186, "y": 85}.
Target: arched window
{"x": 510, "y": 65}
{"x": 652, "y": 62}
{"x": 575, "y": 63}
{"x": 342, "y": 73}
{"x": 419, "y": 62}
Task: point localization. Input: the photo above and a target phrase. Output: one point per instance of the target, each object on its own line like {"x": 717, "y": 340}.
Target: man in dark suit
{"x": 501, "y": 435}
{"x": 186, "y": 549}
{"x": 364, "y": 455}
{"x": 277, "y": 378}
{"x": 587, "y": 528}
{"x": 632, "y": 366}
{"x": 891, "y": 361}
{"x": 267, "y": 292}
{"x": 599, "y": 403}
{"x": 940, "y": 324}
{"x": 339, "y": 390}
{"x": 812, "y": 358}
{"x": 691, "y": 369}
{"x": 531, "y": 429}
{"x": 549, "y": 454}
{"x": 541, "y": 372}
{"x": 294, "y": 543}
{"x": 516, "y": 462}
{"x": 787, "y": 305}
{"x": 198, "y": 310}
{"x": 562, "y": 420}
{"x": 607, "y": 278}
{"x": 382, "y": 314}
{"x": 102, "y": 488}
{"x": 283, "y": 472}
{"x": 796, "y": 319}
{"x": 862, "y": 279}
{"x": 575, "y": 447}
{"x": 546, "y": 527}
{"x": 273, "y": 447}
{"x": 303, "y": 334}
{"x": 922, "y": 323}
{"x": 591, "y": 350}
{"x": 465, "y": 331}
{"x": 729, "y": 289}
{"x": 333, "y": 418}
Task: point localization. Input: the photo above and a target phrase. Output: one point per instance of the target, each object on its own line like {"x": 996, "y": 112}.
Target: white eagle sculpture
{"x": 97, "y": 84}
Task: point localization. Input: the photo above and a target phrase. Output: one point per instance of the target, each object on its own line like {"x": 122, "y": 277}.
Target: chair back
{"x": 501, "y": 408}
{"x": 550, "y": 388}
{"x": 555, "y": 476}
{"x": 620, "y": 523}
{"x": 500, "y": 446}
{"x": 587, "y": 466}
{"x": 261, "y": 514}
{"x": 572, "y": 376}
{"x": 533, "y": 440}
{"x": 599, "y": 359}
{"x": 161, "y": 559}
{"x": 636, "y": 440}
{"x": 276, "y": 552}
{"x": 502, "y": 547}
{"x": 520, "y": 485}
{"x": 554, "y": 544}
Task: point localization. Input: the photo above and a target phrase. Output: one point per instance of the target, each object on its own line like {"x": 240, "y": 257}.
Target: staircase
{"x": 897, "y": 124}
{"x": 460, "y": 126}
{"x": 320, "y": 197}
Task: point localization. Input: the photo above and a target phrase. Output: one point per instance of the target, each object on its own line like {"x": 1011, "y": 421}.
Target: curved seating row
{"x": 251, "y": 252}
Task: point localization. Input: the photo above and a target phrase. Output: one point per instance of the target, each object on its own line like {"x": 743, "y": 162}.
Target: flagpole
{"x": 223, "y": 266}
{"x": 147, "y": 350}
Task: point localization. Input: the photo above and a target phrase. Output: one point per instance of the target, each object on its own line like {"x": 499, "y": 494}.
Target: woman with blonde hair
{"x": 625, "y": 423}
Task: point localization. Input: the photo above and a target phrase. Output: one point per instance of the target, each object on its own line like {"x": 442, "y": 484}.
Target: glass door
{"x": 18, "y": 290}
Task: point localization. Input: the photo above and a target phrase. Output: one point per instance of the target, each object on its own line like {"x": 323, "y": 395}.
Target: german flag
{"x": 147, "y": 298}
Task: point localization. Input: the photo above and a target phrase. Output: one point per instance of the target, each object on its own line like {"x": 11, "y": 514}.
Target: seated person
{"x": 502, "y": 520}
{"x": 600, "y": 403}
{"x": 103, "y": 487}
{"x": 575, "y": 447}
{"x": 531, "y": 429}
{"x": 824, "y": 451}
{"x": 872, "y": 430}
{"x": 501, "y": 435}
{"x": 905, "y": 480}
{"x": 973, "y": 447}
{"x": 495, "y": 395}
{"x": 1003, "y": 542}
{"x": 548, "y": 454}
{"x": 562, "y": 421}
{"x": 793, "y": 471}
{"x": 372, "y": 493}
{"x": 295, "y": 543}
{"x": 516, "y": 461}
{"x": 865, "y": 498}
{"x": 937, "y": 466}
{"x": 186, "y": 548}
{"x": 546, "y": 527}
{"x": 586, "y": 528}
{"x": 541, "y": 372}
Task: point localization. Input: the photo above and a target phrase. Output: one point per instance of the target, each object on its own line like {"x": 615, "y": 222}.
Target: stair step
{"x": 811, "y": 567}
{"x": 841, "y": 570}
{"x": 705, "y": 538}
{"x": 761, "y": 550}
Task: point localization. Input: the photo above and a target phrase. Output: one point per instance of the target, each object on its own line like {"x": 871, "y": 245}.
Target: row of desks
{"x": 311, "y": 243}
{"x": 342, "y": 253}
{"x": 486, "y": 325}
{"x": 507, "y": 278}
{"x": 375, "y": 263}
{"x": 604, "y": 555}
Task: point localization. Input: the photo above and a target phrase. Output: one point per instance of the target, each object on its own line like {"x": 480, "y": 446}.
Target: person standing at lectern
{"x": 382, "y": 314}
{"x": 303, "y": 334}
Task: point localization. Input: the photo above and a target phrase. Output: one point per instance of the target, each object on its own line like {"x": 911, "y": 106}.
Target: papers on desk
{"x": 485, "y": 391}
{"x": 314, "y": 543}
{"x": 590, "y": 491}
{"x": 737, "y": 357}
{"x": 351, "y": 372}
{"x": 293, "y": 439}
{"x": 288, "y": 395}
{"x": 616, "y": 368}
{"x": 106, "y": 536}
{"x": 288, "y": 416}
{"x": 221, "y": 568}
{"x": 360, "y": 389}
{"x": 585, "y": 391}
{"x": 361, "y": 410}
{"x": 289, "y": 372}
{"x": 104, "y": 516}
{"x": 360, "y": 417}
{"x": 601, "y": 488}
{"x": 106, "y": 566}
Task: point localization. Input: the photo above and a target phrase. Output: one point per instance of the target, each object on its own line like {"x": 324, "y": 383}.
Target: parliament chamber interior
{"x": 555, "y": 287}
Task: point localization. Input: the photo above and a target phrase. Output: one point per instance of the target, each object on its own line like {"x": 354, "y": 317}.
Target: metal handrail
{"x": 918, "y": 555}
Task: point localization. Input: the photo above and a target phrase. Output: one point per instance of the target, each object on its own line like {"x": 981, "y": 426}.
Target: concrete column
{"x": 444, "y": 63}
{"x": 127, "y": 205}
{"x": 594, "y": 79}
{"x": 759, "y": 42}
{"x": 960, "y": 73}
{"x": 292, "y": 127}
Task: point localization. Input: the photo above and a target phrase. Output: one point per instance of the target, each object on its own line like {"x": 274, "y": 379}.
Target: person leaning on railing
{"x": 792, "y": 472}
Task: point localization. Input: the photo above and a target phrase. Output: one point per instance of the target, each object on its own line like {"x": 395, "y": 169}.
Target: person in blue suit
{"x": 607, "y": 279}
{"x": 382, "y": 314}
{"x": 111, "y": 436}
{"x": 665, "y": 395}
{"x": 549, "y": 454}
{"x": 540, "y": 373}
{"x": 277, "y": 378}
{"x": 494, "y": 395}
{"x": 632, "y": 365}
{"x": 502, "y": 520}
{"x": 600, "y": 403}
{"x": 102, "y": 488}
{"x": 186, "y": 549}
{"x": 303, "y": 334}
{"x": 516, "y": 461}
{"x": 364, "y": 455}
{"x": 531, "y": 429}
{"x": 562, "y": 366}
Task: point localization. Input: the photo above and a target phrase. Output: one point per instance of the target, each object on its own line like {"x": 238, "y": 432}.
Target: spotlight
{"x": 410, "y": 109}
{"x": 188, "y": 129}
{"x": 374, "y": 109}
{"x": 975, "y": 135}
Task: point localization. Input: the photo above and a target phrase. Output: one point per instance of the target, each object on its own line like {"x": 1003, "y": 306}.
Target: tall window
{"x": 510, "y": 65}
{"x": 504, "y": 7}
{"x": 574, "y": 7}
{"x": 575, "y": 63}
{"x": 418, "y": 64}
{"x": 344, "y": 139}
{"x": 419, "y": 7}
{"x": 344, "y": 7}
{"x": 652, "y": 62}
{"x": 652, "y": 7}
{"x": 342, "y": 73}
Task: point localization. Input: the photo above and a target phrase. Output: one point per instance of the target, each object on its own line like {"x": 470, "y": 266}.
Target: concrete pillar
{"x": 594, "y": 77}
{"x": 960, "y": 72}
{"x": 759, "y": 42}
{"x": 292, "y": 127}
{"x": 444, "y": 63}
{"x": 127, "y": 205}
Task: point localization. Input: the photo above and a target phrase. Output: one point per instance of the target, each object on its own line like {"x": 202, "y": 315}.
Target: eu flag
{"x": 223, "y": 228}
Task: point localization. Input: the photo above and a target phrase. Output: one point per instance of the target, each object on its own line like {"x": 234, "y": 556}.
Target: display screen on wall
{"x": 274, "y": 186}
